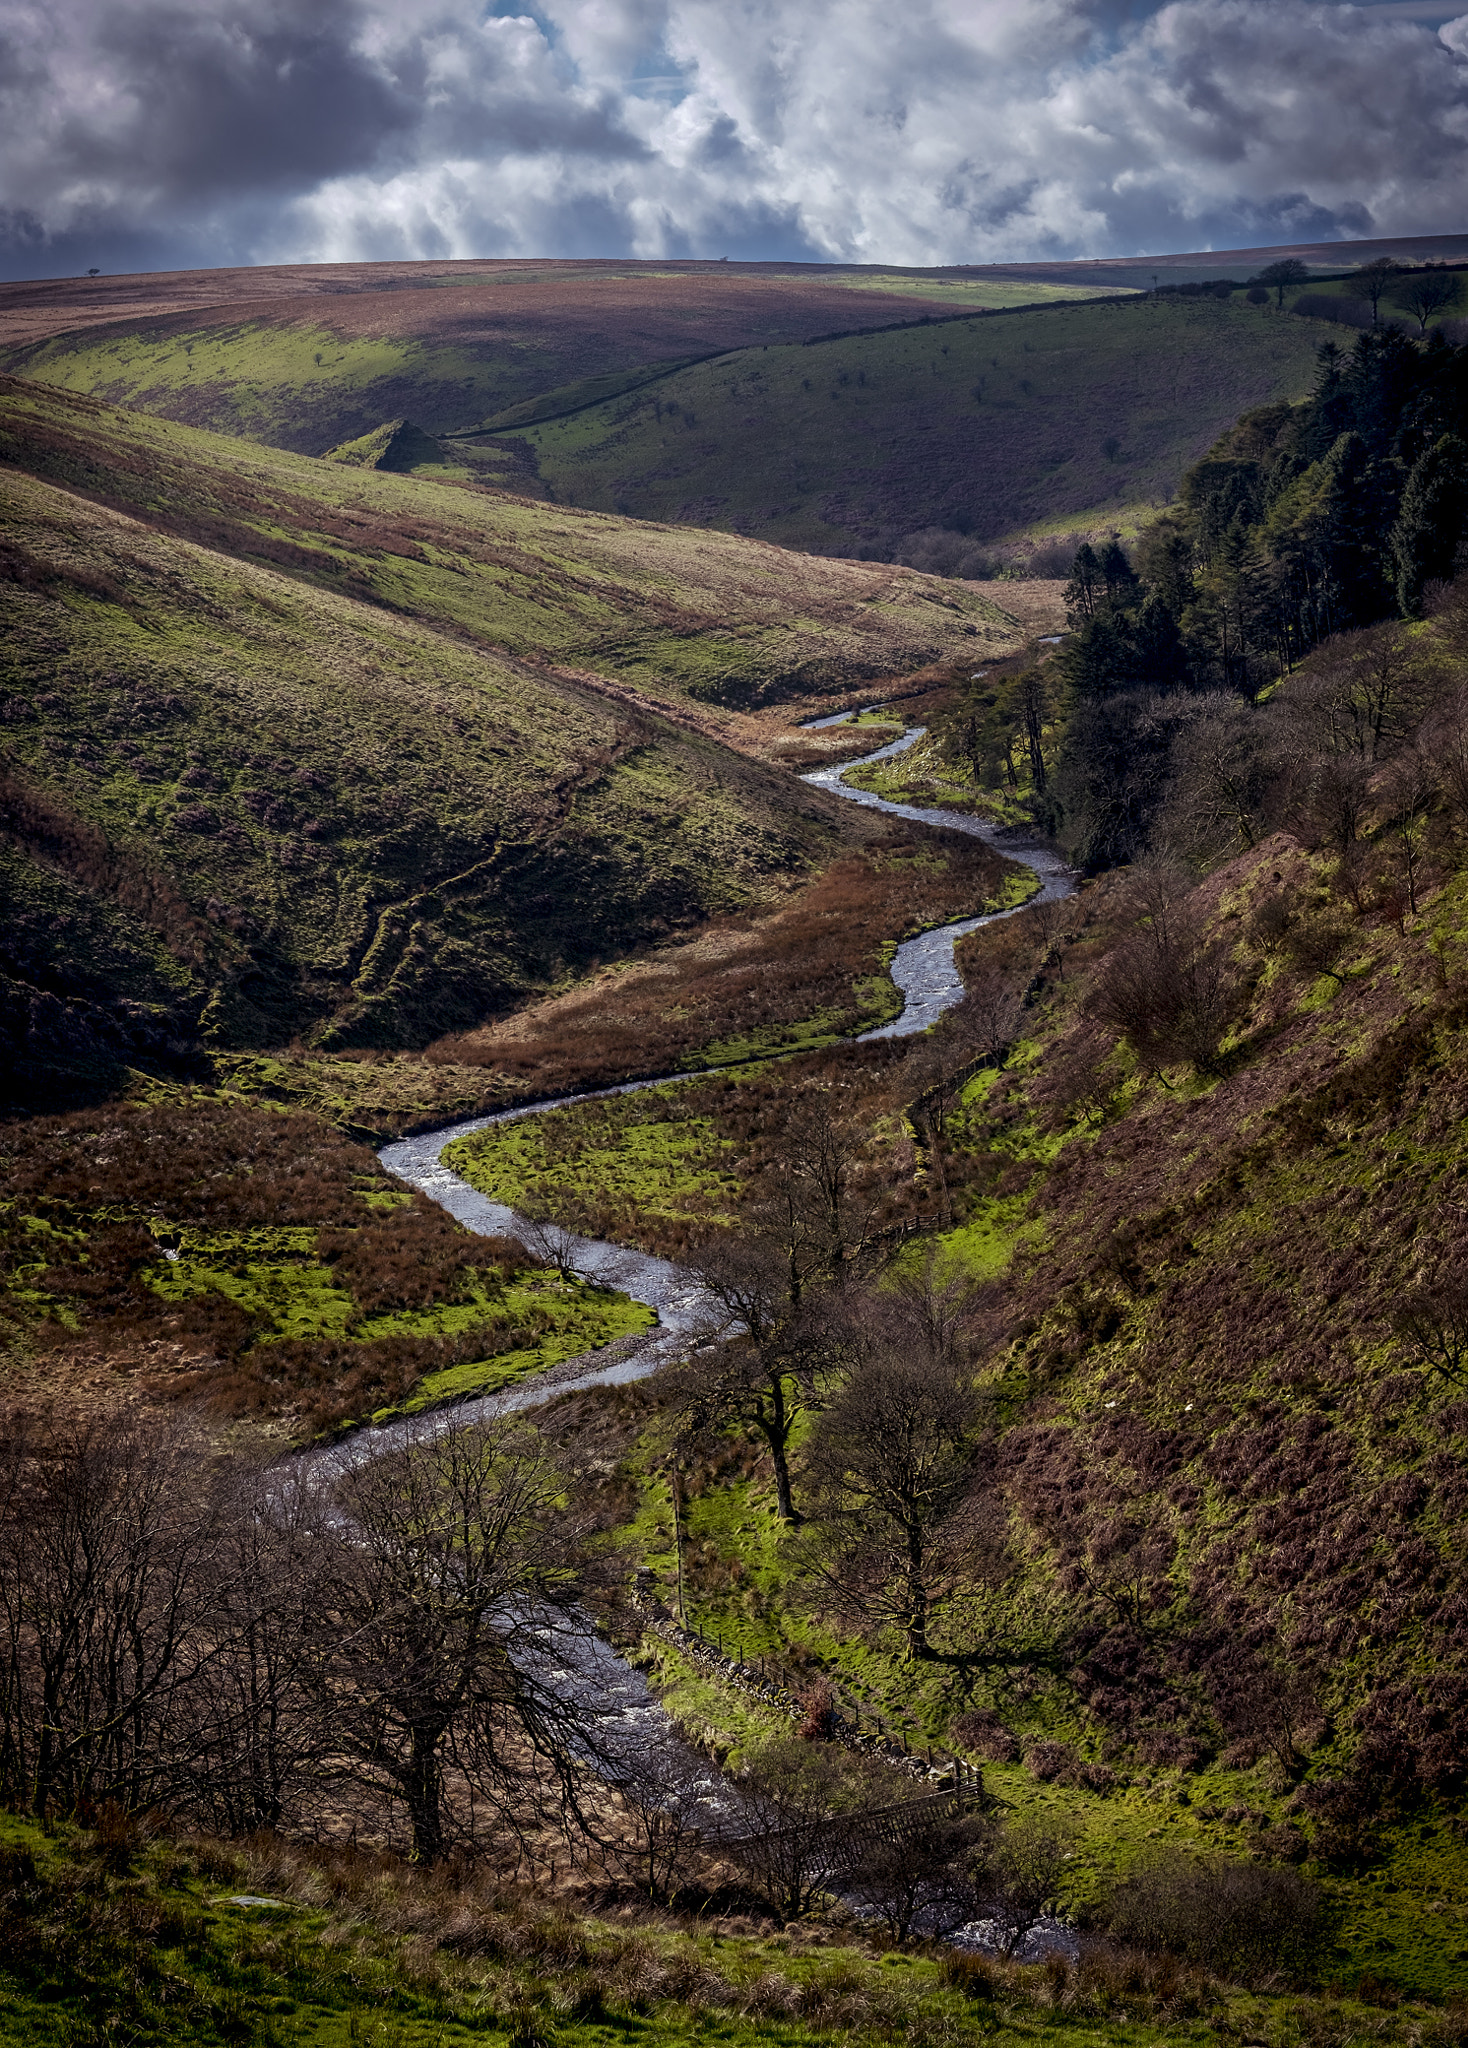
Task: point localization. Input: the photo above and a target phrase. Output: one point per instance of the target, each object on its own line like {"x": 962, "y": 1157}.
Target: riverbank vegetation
{"x": 201, "y": 1252}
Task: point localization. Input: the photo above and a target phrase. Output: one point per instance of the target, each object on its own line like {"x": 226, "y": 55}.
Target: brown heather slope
{"x": 1247, "y": 1491}
{"x": 308, "y": 361}
{"x": 643, "y": 305}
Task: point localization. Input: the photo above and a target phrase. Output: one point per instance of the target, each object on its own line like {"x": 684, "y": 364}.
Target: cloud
{"x": 945, "y": 131}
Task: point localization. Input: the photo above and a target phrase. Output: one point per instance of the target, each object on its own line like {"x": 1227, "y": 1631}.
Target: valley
{"x": 604, "y": 1079}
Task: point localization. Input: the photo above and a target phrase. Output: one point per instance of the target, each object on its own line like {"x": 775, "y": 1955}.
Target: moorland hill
{"x": 951, "y": 436}
{"x": 306, "y": 361}
{"x": 295, "y": 749}
{"x": 841, "y": 410}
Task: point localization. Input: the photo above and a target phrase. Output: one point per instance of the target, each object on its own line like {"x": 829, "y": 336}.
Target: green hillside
{"x": 981, "y": 426}
{"x": 701, "y": 615}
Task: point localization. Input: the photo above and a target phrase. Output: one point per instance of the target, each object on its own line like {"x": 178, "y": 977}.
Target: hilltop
{"x": 307, "y": 359}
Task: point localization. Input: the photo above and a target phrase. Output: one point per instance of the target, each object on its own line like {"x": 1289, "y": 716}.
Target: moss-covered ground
{"x": 262, "y": 1265}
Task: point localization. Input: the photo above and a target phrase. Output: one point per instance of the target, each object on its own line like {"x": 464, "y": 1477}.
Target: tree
{"x": 1223, "y": 767}
{"x": 793, "y": 1797}
{"x": 664, "y": 1793}
{"x": 1024, "y": 1877}
{"x": 1426, "y": 293}
{"x": 108, "y": 1606}
{"x": 1432, "y": 1322}
{"x": 1032, "y": 701}
{"x": 257, "y": 1740}
{"x": 1167, "y": 989}
{"x": 446, "y": 1588}
{"x": 1086, "y": 587}
{"x": 1280, "y": 276}
{"x": 925, "y": 1874}
{"x": 890, "y": 1461}
{"x": 768, "y": 1349}
{"x": 550, "y": 1239}
{"x": 1424, "y": 541}
{"x": 772, "y": 1286}
{"x": 1117, "y": 573}
{"x": 1372, "y": 279}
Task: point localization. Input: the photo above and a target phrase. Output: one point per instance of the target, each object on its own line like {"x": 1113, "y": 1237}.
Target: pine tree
{"x": 1424, "y": 541}
{"x": 1086, "y": 587}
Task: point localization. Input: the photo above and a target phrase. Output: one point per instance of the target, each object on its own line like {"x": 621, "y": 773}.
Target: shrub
{"x": 983, "y": 1734}
{"x": 1241, "y": 1919}
{"x": 1051, "y": 1762}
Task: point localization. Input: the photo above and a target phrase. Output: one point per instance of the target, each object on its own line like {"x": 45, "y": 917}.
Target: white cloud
{"x": 944, "y": 131}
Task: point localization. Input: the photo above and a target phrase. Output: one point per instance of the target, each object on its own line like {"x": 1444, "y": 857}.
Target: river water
{"x": 630, "y": 1720}
{"x": 925, "y": 971}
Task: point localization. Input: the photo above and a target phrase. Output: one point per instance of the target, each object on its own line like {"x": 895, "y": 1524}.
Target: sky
{"x": 174, "y": 134}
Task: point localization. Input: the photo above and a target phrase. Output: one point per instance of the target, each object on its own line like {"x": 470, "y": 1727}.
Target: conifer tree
{"x": 1424, "y": 541}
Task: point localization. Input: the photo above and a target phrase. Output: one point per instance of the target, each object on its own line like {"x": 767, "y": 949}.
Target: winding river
{"x": 632, "y": 1723}
{"x": 925, "y": 971}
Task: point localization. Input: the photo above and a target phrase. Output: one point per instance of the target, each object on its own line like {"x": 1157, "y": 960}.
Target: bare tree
{"x": 550, "y": 1238}
{"x": 1432, "y": 1322}
{"x": 890, "y": 1462}
{"x": 794, "y": 1800}
{"x": 922, "y": 1874}
{"x": 255, "y": 1737}
{"x": 771, "y": 1285}
{"x": 1409, "y": 793}
{"x": 447, "y": 1584}
{"x": 774, "y": 1349}
{"x": 1167, "y": 988}
{"x": 665, "y": 1809}
{"x": 1428, "y": 292}
{"x": 1222, "y": 767}
{"x": 1025, "y": 1873}
{"x": 1363, "y": 697}
{"x": 1372, "y": 279}
{"x": 108, "y": 1585}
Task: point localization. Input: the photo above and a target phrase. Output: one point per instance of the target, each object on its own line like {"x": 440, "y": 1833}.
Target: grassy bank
{"x": 346, "y": 1947}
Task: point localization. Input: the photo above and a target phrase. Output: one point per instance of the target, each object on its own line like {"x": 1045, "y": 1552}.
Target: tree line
{"x": 1304, "y": 523}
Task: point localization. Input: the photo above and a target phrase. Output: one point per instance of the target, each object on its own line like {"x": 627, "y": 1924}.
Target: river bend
{"x": 927, "y": 975}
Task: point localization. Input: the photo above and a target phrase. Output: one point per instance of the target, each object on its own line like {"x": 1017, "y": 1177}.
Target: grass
{"x": 636, "y": 1152}
{"x": 450, "y": 348}
{"x": 273, "y": 1278}
{"x": 255, "y": 1262}
{"x": 923, "y": 776}
{"x": 981, "y": 293}
{"x": 681, "y": 616}
{"x": 810, "y": 971}
{"x": 359, "y": 1948}
{"x": 982, "y": 425}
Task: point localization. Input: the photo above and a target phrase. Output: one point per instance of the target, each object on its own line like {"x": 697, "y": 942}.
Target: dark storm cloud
{"x": 133, "y": 131}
